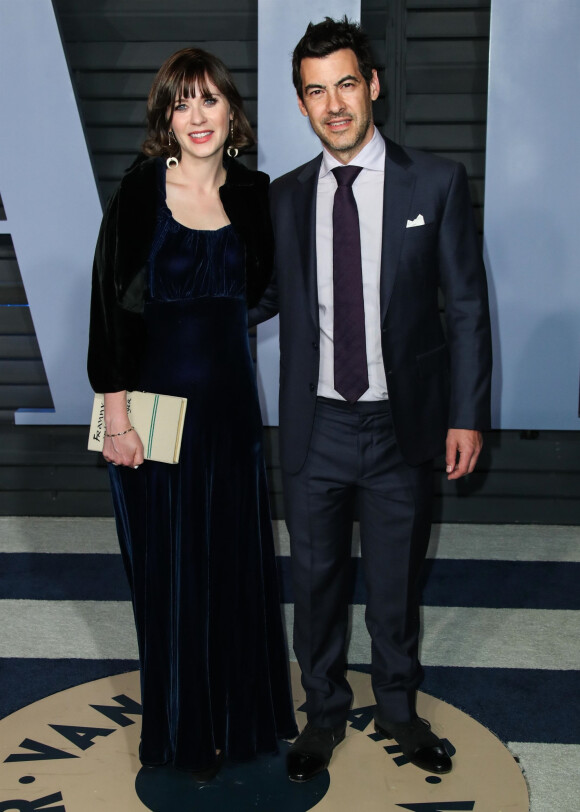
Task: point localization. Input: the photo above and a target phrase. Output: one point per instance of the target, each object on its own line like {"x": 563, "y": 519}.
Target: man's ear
{"x": 374, "y": 86}
{"x": 301, "y": 106}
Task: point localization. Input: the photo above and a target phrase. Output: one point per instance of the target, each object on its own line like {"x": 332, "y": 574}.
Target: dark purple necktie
{"x": 351, "y": 378}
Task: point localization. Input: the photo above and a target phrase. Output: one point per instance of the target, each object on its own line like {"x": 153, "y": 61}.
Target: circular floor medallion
{"x": 76, "y": 751}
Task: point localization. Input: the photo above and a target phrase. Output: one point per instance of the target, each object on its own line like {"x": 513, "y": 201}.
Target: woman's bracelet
{"x": 119, "y": 433}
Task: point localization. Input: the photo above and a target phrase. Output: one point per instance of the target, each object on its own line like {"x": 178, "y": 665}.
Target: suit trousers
{"x": 354, "y": 465}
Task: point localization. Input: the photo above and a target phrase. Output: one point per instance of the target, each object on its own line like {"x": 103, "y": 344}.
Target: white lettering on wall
{"x": 532, "y": 200}
{"x": 51, "y": 201}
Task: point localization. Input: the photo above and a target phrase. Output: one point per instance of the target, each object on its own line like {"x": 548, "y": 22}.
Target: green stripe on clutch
{"x": 152, "y": 425}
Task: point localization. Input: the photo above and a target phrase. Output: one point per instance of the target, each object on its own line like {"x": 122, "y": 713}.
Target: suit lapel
{"x": 304, "y": 199}
{"x": 398, "y": 194}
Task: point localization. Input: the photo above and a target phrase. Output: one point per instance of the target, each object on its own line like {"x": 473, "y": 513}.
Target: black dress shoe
{"x": 422, "y": 747}
{"x": 311, "y": 752}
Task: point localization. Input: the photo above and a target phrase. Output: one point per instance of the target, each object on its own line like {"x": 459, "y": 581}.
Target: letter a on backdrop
{"x": 51, "y": 201}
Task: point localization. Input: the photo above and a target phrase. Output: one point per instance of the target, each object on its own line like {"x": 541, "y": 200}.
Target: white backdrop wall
{"x": 532, "y": 212}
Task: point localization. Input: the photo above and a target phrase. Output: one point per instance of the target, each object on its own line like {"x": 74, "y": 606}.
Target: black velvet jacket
{"x": 120, "y": 268}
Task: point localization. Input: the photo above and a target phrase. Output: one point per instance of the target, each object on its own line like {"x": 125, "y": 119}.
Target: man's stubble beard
{"x": 360, "y": 135}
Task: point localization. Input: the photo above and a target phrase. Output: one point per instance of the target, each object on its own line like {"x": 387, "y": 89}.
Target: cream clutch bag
{"x": 157, "y": 419}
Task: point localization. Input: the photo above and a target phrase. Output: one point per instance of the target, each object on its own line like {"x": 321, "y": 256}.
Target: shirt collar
{"x": 371, "y": 156}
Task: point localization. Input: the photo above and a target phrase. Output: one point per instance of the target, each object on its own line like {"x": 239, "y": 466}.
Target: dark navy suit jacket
{"x": 437, "y": 378}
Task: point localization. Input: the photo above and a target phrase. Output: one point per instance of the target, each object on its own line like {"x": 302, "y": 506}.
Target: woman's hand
{"x": 125, "y": 446}
{"x": 126, "y": 449}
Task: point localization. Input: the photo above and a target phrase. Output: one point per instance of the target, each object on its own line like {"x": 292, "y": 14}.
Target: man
{"x": 371, "y": 389}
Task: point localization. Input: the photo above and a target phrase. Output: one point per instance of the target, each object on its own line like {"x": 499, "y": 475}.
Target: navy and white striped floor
{"x": 501, "y": 629}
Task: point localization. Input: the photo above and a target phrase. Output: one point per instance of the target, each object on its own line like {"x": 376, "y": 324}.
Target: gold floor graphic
{"x": 76, "y": 751}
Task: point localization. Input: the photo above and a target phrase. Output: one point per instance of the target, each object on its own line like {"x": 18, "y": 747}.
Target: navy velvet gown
{"x": 196, "y": 537}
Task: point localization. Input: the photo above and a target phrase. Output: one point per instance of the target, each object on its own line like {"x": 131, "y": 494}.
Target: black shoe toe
{"x": 310, "y": 754}
{"x": 432, "y": 759}
{"x": 304, "y": 766}
{"x": 419, "y": 744}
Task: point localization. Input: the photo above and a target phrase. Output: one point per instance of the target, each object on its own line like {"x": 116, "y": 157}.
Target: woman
{"x": 184, "y": 248}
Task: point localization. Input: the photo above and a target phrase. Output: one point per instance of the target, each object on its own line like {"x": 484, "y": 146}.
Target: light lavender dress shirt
{"x": 368, "y": 193}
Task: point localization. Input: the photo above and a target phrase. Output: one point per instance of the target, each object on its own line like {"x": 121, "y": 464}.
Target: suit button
{"x": 312, "y": 387}
{"x": 314, "y": 345}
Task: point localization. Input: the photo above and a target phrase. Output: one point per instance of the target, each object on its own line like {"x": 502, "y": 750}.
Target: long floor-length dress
{"x": 196, "y": 537}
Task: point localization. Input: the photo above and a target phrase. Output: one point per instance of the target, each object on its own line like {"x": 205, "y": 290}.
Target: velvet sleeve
{"x": 246, "y": 203}
{"x": 265, "y": 252}
{"x": 115, "y": 333}
{"x": 267, "y": 307}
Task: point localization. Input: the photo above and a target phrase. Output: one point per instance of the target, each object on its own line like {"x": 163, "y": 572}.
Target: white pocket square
{"x": 418, "y": 221}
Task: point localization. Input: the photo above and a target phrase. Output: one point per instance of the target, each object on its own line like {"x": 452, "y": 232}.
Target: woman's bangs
{"x": 190, "y": 82}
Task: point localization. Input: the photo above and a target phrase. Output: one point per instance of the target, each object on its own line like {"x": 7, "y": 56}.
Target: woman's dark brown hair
{"x": 178, "y": 77}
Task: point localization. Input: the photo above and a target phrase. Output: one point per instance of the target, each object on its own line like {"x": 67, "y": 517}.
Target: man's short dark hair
{"x": 327, "y": 37}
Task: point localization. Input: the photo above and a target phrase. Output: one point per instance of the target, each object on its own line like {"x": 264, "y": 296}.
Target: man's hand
{"x": 462, "y": 450}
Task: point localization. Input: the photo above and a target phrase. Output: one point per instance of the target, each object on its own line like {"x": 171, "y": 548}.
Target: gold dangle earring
{"x": 231, "y": 150}
{"x": 171, "y": 161}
